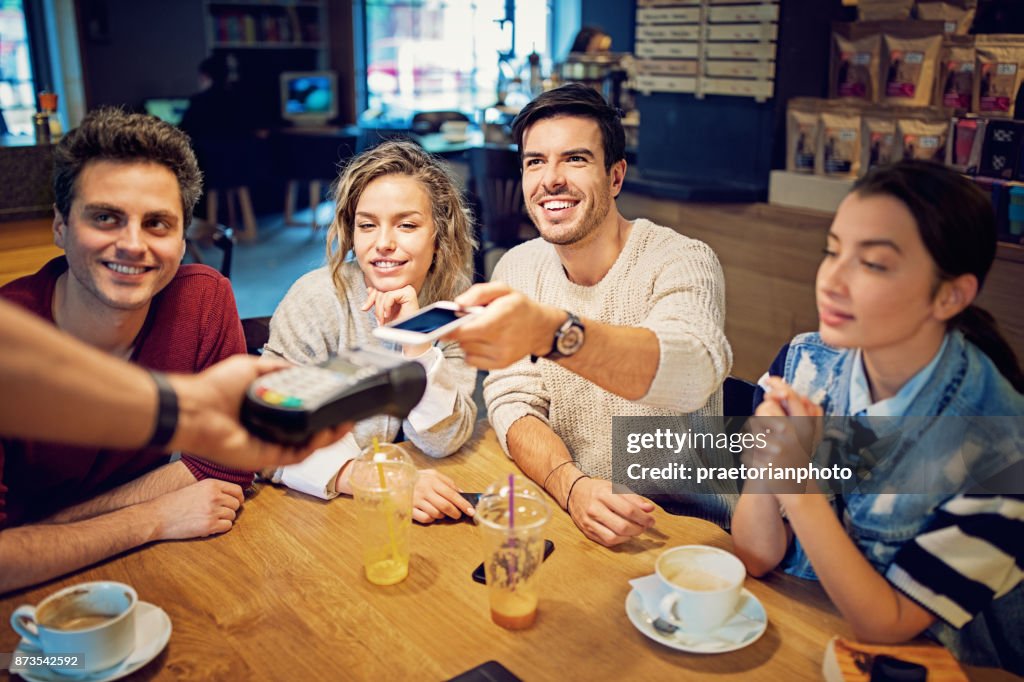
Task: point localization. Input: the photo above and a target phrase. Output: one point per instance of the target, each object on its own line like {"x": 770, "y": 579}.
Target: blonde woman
{"x": 401, "y": 216}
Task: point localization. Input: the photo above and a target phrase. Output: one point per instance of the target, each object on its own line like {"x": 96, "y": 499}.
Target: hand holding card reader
{"x": 291, "y": 405}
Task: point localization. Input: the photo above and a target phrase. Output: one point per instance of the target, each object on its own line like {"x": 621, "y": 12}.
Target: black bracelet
{"x": 569, "y": 496}
{"x": 557, "y": 467}
{"x": 166, "y": 413}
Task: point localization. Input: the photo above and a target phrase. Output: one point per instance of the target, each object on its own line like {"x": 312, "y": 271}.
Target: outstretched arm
{"x": 106, "y": 401}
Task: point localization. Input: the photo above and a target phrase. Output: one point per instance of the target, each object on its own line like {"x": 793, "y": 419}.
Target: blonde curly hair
{"x": 450, "y": 272}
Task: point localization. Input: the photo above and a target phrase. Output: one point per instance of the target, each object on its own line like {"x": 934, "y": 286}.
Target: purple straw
{"x": 511, "y": 501}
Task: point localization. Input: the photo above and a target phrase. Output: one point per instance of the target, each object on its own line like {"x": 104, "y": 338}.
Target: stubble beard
{"x": 588, "y": 223}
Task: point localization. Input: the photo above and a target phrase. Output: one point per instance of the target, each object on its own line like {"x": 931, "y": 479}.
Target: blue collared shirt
{"x": 897, "y": 405}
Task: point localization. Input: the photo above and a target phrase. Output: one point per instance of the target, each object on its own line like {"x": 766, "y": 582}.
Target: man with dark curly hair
{"x": 125, "y": 187}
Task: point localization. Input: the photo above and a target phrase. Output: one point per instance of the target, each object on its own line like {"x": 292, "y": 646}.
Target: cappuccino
{"x": 79, "y": 622}
{"x": 700, "y": 581}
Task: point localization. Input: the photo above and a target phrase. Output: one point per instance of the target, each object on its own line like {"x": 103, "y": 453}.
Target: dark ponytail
{"x": 958, "y": 227}
{"x": 980, "y": 328}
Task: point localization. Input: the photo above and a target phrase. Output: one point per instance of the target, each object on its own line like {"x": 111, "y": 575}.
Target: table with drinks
{"x": 285, "y": 594}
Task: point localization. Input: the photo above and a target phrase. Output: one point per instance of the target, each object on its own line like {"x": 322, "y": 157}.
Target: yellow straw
{"x": 384, "y": 487}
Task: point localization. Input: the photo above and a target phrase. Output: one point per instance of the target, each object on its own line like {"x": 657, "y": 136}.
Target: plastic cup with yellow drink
{"x": 382, "y": 483}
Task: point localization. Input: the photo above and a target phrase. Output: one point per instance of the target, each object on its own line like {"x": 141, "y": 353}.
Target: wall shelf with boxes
{"x": 707, "y": 47}
{"x": 260, "y": 40}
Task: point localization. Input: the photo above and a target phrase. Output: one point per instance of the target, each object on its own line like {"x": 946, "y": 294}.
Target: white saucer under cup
{"x": 746, "y": 626}
{"x": 152, "y": 632}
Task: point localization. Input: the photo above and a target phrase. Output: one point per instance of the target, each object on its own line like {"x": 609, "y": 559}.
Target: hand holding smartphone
{"x": 427, "y": 325}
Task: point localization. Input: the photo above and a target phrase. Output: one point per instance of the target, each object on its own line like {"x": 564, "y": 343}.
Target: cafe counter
{"x": 26, "y": 206}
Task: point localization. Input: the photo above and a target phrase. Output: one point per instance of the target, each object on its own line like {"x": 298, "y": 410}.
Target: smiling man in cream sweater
{"x": 626, "y": 316}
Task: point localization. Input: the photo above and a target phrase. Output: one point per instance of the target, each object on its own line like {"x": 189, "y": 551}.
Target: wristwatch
{"x": 568, "y": 339}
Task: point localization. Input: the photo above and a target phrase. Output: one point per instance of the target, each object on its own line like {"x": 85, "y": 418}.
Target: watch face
{"x": 570, "y": 341}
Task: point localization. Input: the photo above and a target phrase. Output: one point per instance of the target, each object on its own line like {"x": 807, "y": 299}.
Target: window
{"x": 443, "y": 54}
{"x": 17, "y": 96}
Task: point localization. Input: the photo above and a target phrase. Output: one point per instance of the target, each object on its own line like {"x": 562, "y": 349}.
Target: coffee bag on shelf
{"x": 956, "y": 73}
{"x": 910, "y": 68}
{"x": 878, "y": 139}
{"x": 803, "y": 126}
{"x": 839, "y": 142}
{"x": 875, "y": 10}
{"x": 999, "y": 68}
{"x": 956, "y": 15}
{"x": 923, "y": 139}
{"x": 856, "y": 58}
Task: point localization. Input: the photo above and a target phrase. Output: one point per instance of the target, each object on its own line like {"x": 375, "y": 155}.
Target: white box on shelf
{"x": 666, "y": 84}
{"x": 665, "y": 3}
{"x": 668, "y": 15}
{"x": 736, "y": 13}
{"x": 758, "y": 32}
{"x": 668, "y": 32}
{"x": 646, "y": 50}
{"x": 666, "y": 67}
{"x": 735, "y": 69}
{"x": 759, "y": 51}
{"x": 757, "y": 89}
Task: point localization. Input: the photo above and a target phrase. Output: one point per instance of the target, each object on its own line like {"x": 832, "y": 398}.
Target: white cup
{"x": 94, "y": 620}
{"x": 705, "y": 584}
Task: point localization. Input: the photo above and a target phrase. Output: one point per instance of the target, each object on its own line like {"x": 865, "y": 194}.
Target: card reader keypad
{"x": 307, "y": 387}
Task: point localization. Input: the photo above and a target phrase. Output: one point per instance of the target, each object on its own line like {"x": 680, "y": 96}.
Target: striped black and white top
{"x": 972, "y": 554}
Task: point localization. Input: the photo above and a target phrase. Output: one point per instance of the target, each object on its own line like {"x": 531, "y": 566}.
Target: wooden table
{"x": 282, "y": 596}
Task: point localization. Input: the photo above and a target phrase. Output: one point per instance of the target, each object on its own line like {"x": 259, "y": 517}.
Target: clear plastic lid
{"x": 513, "y": 502}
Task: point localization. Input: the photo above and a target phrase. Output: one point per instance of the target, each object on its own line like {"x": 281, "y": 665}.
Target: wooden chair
{"x": 502, "y": 218}
{"x": 312, "y": 157}
{"x": 221, "y": 236}
{"x": 229, "y": 164}
{"x": 738, "y": 397}
{"x": 257, "y": 333}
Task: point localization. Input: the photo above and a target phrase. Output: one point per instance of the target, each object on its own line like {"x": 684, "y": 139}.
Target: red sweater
{"x": 191, "y": 325}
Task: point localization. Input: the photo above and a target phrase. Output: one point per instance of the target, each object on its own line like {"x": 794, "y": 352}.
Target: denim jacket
{"x": 963, "y": 384}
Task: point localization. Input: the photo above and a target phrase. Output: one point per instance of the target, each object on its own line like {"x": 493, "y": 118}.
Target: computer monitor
{"x": 309, "y": 97}
{"x": 169, "y": 109}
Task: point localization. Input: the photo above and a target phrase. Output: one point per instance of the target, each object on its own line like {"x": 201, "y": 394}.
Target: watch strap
{"x": 166, "y": 413}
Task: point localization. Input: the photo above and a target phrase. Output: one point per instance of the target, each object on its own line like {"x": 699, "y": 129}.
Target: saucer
{"x": 743, "y": 629}
{"x": 152, "y": 632}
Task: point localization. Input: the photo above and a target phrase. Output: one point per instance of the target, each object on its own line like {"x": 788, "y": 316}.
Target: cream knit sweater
{"x": 661, "y": 281}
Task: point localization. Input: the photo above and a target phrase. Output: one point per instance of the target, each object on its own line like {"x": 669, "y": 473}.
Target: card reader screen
{"x": 428, "y": 321}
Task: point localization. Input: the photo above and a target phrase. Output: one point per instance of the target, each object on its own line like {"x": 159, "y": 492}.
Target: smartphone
{"x": 427, "y": 325}
{"x": 472, "y": 498}
{"x": 889, "y": 669}
{"x": 491, "y": 671}
{"x": 479, "y": 576}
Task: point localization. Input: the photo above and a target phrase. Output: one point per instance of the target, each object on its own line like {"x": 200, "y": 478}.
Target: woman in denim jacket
{"x": 930, "y": 396}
